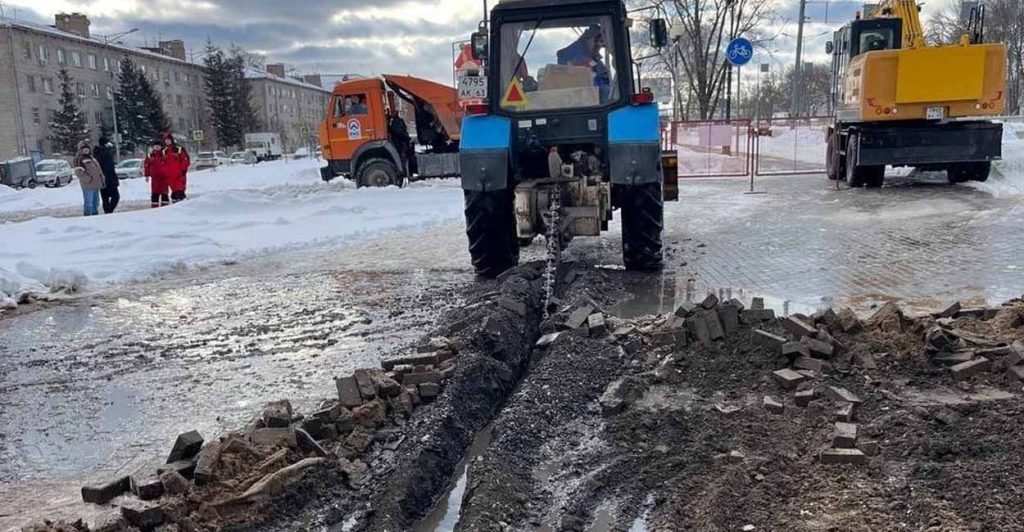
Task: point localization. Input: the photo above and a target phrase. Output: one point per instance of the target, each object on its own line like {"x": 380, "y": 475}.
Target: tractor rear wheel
{"x": 491, "y": 228}
{"x": 642, "y": 221}
{"x": 377, "y": 173}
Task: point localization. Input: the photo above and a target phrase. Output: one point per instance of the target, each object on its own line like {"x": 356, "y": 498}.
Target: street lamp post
{"x": 115, "y": 36}
{"x": 117, "y": 135}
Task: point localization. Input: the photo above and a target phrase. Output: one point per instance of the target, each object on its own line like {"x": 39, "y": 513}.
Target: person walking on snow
{"x": 104, "y": 154}
{"x": 177, "y": 162}
{"x": 155, "y": 170}
{"x": 90, "y": 177}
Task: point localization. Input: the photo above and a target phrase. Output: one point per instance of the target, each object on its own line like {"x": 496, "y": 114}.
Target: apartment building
{"x": 32, "y": 55}
{"x": 290, "y": 106}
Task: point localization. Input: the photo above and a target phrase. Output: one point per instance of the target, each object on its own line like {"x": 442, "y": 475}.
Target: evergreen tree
{"x": 68, "y": 126}
{"x": 220, "y": 96}
{"x": 245, "y": 111}
{"x": 140, "y": 113}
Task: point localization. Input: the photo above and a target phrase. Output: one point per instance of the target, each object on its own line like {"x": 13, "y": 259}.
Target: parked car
{"x": 129, "y": 168}
{"x": 53, "y": 173}
{"x": 244, "y": 157}
{"x": 300, "y": 153}
{"x": 211, "y": 159}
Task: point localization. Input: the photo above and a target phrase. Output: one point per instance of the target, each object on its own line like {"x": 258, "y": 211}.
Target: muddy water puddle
{"x": 445, "y": 516}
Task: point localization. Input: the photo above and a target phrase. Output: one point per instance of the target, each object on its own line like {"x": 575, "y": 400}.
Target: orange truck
{"x": 367, "y": 136}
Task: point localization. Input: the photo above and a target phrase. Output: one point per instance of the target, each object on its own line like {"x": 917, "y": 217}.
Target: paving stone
{"x": 825, "y": 316}
{"x": 973, "y": 312}
{"x": 410, "y": 379}
{"x": 685, "y": 309}
{"x": 623, "y": 331}
{"x": 596, "y": 325}
{"x": 106, "y": 492}
{"x": 772, "y": 405}
{"x": 348, "y": 391}
{"x": 579, "y": 316}
{"x": 184, "y": 468}
{"x": 513, "y": 304}
{"x": 277, "y": 414}
{"x": 803, "y": 398}
{"x": 845, "y": 413}
{"x": 848, "y": 321}
{"x": 186, "y": 445}
{"x": 757, "y": 303}
{"x": 729, "y": 315}
{"x": 146, "y": 486}
{"x": 787, "y": 378}
{"x": 966, "y": 370}
{"x": 813, "y": 364}
{"x": 429, "y": 390}
{"x": 797, "y": 327}
{"x": 207, "y": 463}
{"x": 367, "y": 387}
{"x": 940, "y": 340}
{"x": 842, "y": 394}
{"x": 278, "y": 437}
{"x": 952, "y": 359}
{"x": 844, "y": 436}
{"x": 715, "y": 329}
{"x": 843, "y": 456}
{"x": 870, "y": 447}
{"x": 386, "y": 386}
{"x": 306, "y": 443}
{"x": 1015, "y": 373}
{"x": 949, "y": 311}
{"x": 752, "y": 316}
{"x": 670, "y": 338}
{"x": 143, "y": 515}
{"x": 818, "y": 348}
{"x": 771, "y": 342}
{"x": 392, "y": 364}
{"x": 434, "y": 344}
{"x": 993, "y": 352}
{"x": 710, "y": 302}
{"x": 698, "y": 327}
{"x": 370, "y": 415}
{"x": 174, "y": 483}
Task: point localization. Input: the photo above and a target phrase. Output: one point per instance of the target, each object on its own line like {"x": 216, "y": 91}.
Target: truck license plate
{"x": 935, "y": 113}
{"x": 472, "y": 87}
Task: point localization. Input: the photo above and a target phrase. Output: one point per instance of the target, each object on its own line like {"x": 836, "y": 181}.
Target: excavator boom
{"x": 906, "y": 11}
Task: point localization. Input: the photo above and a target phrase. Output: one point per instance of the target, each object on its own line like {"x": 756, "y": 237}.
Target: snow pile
{"x": 242, "y": 177}
{"x": 1007, "y": 177}
{"x": 46, "y": 257}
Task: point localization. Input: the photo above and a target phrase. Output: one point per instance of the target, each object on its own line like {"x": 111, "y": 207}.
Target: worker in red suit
{"x": 176, "y": 162}
{"x": 155, "y": 170}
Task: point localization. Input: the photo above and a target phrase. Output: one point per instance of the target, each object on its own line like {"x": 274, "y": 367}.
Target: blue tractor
{"x": 565, "y": 135}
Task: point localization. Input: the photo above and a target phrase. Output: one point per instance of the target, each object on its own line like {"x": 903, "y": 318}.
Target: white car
{"x": 53, "y": 173}
{"x": 243, "y": 157}
{"x": 211, "y": 159}
{"x": 129, "y": 168}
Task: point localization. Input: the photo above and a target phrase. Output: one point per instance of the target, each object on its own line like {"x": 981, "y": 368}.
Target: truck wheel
{"x": 642, "y": 221}
{"x": 31, "y": 184}
{"x": 377, "y": 173}
{"x": 834, "y": 161}
{"x": 981, "y": 171}
{"x": 874, "y": 176}
{"x": 491, "y": 228}
{"x": 958, "y": 173}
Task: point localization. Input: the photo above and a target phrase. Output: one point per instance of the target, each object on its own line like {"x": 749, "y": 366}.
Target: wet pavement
{"x": 803, "y": 244}
{"x": 102, "y": 384}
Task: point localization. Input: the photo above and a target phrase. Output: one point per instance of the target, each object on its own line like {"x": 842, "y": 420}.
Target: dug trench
{"x": 712, "y": 417}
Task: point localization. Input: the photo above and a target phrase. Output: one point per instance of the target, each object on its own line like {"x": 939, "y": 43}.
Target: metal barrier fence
{"x": 712, "y": 148}
{"x": 791, "y": 146}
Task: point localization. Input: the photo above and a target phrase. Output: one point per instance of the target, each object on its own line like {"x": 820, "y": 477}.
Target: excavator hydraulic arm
{"x": 907, "y": 11}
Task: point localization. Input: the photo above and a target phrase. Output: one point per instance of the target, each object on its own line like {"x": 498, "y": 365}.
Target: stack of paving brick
{"x": 705, "y": 322}
{"x": 967, "y": 354}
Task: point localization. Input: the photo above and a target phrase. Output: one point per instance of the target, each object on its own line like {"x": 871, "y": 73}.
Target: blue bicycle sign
{"x": 739, "y": 51}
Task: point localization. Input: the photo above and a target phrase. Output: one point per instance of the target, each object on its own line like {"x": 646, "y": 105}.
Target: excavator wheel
{"x": 642, "y": 221}
{"x": 964, "y": 172}
{"x": 491, "y": 228}
{"x": 377, "y": 173}
{"x": 834, "y": 161}
{"x": 857, "y": 175}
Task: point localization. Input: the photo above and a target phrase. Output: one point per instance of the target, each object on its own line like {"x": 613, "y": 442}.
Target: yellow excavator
{"x": 898, "y": 101}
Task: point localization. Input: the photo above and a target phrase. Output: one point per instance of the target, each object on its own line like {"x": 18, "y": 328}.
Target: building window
{"x": 91, "y": 61}
{"x": 186, "y": 79}
{"x": 99, "y": 118}
{"x": 96, "y": 90}
{"x": 48, "y": 85}
{"x": 106, "y": 64}
{"x": 31, "y": 83}
{"x": 42, "y": 54}
{"x": 110, "y": 93}
{"x": 28, "y": 50}
{"x": 36, "y": 119}
{"x": 76, "y": 59}
{"x": 142, "y": 68}
{"x": 61, "y": 57}
{"x": 80, "y": 89}
{"x": 178, "y": 100}
{"x": 118, "y": 66}
{"x": 167, "y": 75}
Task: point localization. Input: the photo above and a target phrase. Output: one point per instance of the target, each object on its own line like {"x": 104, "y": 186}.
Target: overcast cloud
{"x": 355, "y": 36}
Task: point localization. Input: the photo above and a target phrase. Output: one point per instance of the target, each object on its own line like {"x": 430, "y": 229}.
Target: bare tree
{"x": 696, "y": 60}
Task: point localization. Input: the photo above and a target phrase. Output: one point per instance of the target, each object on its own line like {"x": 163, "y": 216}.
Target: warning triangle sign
{"x": 514, "y": 95}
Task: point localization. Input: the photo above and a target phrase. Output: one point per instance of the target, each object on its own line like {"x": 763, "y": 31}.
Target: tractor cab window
{"x": 351, "y": 105}
{"x": 563, "y": 63}
{"x": 876, "y": 39}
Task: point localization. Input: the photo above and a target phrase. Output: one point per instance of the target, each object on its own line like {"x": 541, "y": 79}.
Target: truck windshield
{"x": 558, "y": 64}
{"x": 254, "y": 145}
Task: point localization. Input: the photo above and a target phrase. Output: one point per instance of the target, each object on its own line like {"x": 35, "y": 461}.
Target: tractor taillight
{"x": 476, "y": 109}
{"x": 643, "y": 97}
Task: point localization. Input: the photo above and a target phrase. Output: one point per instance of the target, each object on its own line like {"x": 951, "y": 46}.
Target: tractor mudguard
{"x": 484, "y": 152}
{"x": 634, "y": 145}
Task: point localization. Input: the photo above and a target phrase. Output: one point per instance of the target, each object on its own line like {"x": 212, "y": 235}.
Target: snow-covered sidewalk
{"x": 277, "y": 211}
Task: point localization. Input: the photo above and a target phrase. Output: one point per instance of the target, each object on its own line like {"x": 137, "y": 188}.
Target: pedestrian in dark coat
{"x": 111, "y": 195}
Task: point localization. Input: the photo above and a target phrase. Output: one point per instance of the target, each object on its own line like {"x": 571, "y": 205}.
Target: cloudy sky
{"x": 356, "y": 36}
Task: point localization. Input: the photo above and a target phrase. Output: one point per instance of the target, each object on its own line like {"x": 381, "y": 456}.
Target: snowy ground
{"x": 235, "y": 213}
